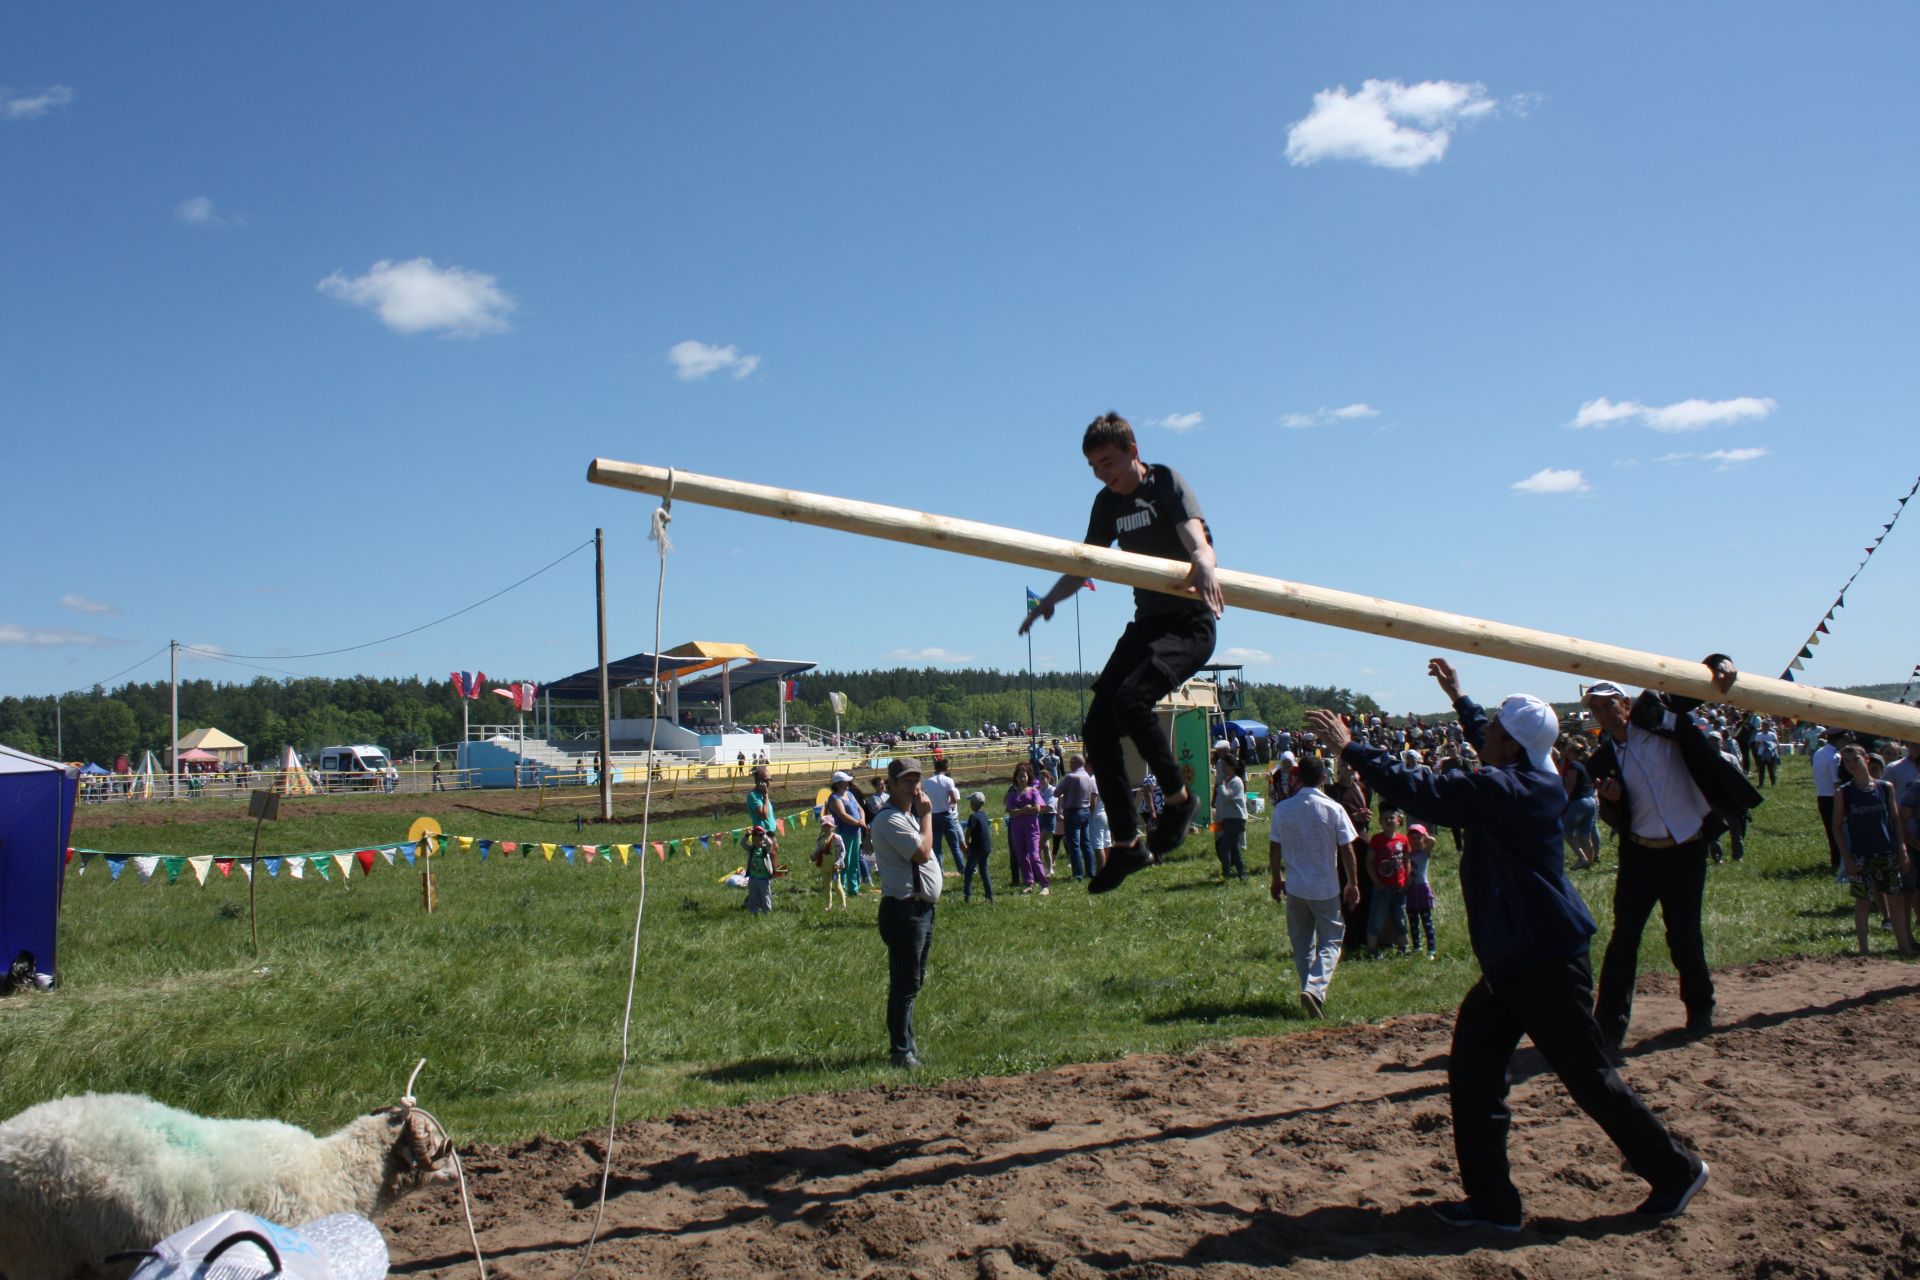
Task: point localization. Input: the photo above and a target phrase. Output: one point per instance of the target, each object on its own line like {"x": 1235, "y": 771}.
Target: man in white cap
{"x": 1668, "y": 793}
{"x": 1531, "y": 933}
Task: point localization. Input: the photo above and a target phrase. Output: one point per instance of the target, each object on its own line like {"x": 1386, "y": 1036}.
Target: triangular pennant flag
{"x": 174, "y": 867}
{"x": 780, "y": 826}
{"x": 297, "y": 868}
{"x": 1787, "y": 676}
{"x": 273, "y": 867}
{"x": 1795, "y": 665}
{"x": 201, "y": 865}
{"x": 625, "y": 851}
{"x": 486, "y": 847}
{"x": 85, "y": 858}
{"x": 443, "y": 844}
{"x": 546, "y": 851}
{"x": 1806, "y": 651}
{"x": 673, "y": 846}
{"x": 1821, "y": 630}
{"x": 225, "y": 867}
{"x": 365, "y": 858}
{"x": 706, "y": 842}
{"x": 509, "y": 846}
{"x": 466, "y": 844}
{"x": 146, "y": 864}
{"x": 1814, "y": 639}
{"x": 589, "y": 852}
{"x": 409, "y": 851}
{"x": 344, "y": 861}
{"x": 115, "y": 866}
{"x": 318, "y": 862}
{"x": 69, "y": 853}
{"x": 659, "y": 851}
{"x": 246, "y": 868}
{"x": 566, "y": 851}
{"x": 388, "y": 855}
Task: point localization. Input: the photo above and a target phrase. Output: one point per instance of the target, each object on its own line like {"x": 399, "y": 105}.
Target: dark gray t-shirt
{"x": 1147, "y": 522}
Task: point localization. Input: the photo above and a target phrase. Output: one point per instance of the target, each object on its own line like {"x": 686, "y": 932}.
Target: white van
{"x": 356, "y": 768}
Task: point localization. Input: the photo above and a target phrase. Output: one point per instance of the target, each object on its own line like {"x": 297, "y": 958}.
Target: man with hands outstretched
{"x": 1530, "y": 932}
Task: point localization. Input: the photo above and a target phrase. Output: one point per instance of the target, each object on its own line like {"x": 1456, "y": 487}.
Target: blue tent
{"x": 1251, "y": 728}
{"x": 36, "y": 816}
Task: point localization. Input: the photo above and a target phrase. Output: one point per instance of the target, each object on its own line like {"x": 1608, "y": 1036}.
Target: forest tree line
{"x": 410, "y": 715}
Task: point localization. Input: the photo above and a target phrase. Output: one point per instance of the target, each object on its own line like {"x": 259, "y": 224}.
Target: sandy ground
{"x": 1318, "y": 1152}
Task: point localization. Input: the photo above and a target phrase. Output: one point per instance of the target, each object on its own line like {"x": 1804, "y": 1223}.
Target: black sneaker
{"x": 1122, "y": 861}
{"x": 1461, "y": 1213}
{"x": 1700, "y": 1023}
{"x": 1313, "y": 1004}
{"x": 1671, "y": 1204}
{"x": 1171, "y": 830}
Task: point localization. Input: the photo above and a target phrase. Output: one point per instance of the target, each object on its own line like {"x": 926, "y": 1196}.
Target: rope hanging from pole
{"x": 1348, "y": 610}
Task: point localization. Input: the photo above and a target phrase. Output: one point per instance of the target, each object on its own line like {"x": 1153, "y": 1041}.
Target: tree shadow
{"x": 1217, "y": 1010}
{"x": 752, "y": 1070}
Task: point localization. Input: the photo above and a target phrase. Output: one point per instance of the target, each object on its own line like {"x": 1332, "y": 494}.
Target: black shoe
{"x": 1313, "y": 1004}
{"x": 1122, "y": 861}
{"x": 1671, "y": 1204}
{"x": 1171, "y": 830}
{"x": 1701, "y": 1023}
{"x": 1461, "y": 1213}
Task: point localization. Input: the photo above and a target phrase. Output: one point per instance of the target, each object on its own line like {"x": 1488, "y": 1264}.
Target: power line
{"x": 116, "y": 675}
{"x": 328, "y": 653}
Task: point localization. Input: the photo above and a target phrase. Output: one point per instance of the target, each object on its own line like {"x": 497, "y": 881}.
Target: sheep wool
{"x": 83, "y": 1177}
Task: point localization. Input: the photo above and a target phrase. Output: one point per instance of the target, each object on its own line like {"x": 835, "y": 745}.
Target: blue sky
{"x": 311, "y": 319}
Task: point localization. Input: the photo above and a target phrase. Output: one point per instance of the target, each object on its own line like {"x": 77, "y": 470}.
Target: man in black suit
{"x": 1663, "y": 788}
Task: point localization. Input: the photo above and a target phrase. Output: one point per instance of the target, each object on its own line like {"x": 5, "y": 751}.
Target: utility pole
{"x": 173, "y": 743}
{"x": 606, "y": 727}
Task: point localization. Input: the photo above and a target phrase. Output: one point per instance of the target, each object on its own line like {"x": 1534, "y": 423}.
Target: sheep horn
{"x": 425, "y": 1146}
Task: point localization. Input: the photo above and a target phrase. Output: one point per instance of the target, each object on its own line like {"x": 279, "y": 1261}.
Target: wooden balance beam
{"x": 1430, "y": 627}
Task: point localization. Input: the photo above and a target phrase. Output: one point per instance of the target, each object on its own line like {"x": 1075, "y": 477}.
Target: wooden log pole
{"x": 1430, "y": 627}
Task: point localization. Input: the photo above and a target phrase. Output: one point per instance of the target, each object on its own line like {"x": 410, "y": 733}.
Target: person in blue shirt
{"x": 1531, "y": 933}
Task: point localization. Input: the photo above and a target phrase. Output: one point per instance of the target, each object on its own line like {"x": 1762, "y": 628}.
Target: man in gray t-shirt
{"x": 909, "y": 886}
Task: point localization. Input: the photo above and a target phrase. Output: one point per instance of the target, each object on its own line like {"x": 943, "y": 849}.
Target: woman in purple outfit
{"x": 1025, "y": 804}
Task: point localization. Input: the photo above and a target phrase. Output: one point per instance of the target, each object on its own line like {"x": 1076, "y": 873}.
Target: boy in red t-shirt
{"x": 1387, "y": 854}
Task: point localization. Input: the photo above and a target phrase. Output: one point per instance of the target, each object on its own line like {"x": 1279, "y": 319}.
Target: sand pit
{"x": 1316, "y": 1152}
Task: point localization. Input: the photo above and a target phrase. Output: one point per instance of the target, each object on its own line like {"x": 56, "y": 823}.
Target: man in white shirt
{"x": 1310, "y": 843}
{"x": 1826, "y": 779}
{"x": 943, "y": 793}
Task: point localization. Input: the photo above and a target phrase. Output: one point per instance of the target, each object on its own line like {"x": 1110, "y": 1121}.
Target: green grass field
{"x": 513, "y": 988}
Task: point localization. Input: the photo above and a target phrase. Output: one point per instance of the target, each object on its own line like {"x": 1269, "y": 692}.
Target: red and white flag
{"x": 467, "y": 684}
{"x": 520, "y": 694}
{"x": 789, "y": 690}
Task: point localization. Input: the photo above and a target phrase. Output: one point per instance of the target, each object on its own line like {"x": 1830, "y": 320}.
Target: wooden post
{"x": 606, "y": 727}
{"x": 1269, "y": 595}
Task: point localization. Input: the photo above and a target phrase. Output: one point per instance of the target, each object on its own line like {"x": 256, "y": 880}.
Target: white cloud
{"x": 1726, "y": 458}
{"x": 199, "y": 212}
{"x": 1552, "y": 480}
{"x": 418, "y": 297}
{"x": 1247, "y": 657}
{"x": 693, "y": 361}
{"x": 1684, "y": 415}
{"x": 47, "y": 637}
{"x": 1389, "y": 124}
{"x": 1322, "y": 416}
{"x": 934, "y": 655}
{"x": 1178, "y": 421}
{"x": 80, "y": 604}
{"x": 31, "y": 106}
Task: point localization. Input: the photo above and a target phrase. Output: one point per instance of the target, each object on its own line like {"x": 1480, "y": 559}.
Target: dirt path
{"x": 1316, "y": 1152}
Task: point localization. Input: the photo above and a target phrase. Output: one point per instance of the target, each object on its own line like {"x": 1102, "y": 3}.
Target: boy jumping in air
{"x": 1148, "y": 510}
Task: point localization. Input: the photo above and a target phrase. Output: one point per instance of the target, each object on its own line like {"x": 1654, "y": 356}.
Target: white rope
{"x": 662, "y": 517}
{"x": 408, "y": 1101}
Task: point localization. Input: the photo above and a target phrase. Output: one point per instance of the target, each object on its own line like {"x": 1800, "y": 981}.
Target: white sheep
{"x": 83, "y": 1177}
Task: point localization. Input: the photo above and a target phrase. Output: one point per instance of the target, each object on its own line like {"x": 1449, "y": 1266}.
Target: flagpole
{"x": 1033, "y": 715}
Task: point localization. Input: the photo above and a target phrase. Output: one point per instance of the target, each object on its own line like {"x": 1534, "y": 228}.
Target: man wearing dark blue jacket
{"x": 1531, "y": 932}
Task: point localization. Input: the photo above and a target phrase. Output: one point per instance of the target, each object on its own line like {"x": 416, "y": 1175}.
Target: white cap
{"x": 1531, "y": 723}
{"x": 1221, "y": 744}
{"x": 840, "y": 775}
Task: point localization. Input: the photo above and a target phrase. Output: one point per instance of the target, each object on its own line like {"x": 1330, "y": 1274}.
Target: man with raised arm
{"x": 1148, "y": 510}
{"x": 1531, "y": 932}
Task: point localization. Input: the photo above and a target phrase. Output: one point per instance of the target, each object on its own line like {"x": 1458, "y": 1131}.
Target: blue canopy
{"x": 92, "y": 768}
{"x": 1252, "y": 728}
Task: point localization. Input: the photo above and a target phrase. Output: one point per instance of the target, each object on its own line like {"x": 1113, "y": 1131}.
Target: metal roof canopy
{"x": 584, "y": 686}
{"x": 759, "y": 671}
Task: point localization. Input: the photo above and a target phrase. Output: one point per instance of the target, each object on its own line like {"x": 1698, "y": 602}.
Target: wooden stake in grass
{"x": 1433, "y": 627}
{"x": 261, "y": 806}
{"x": 423, "y": 833}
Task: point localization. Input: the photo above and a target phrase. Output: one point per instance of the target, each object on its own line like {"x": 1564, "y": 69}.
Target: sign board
{"x": 264, "y": 805}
